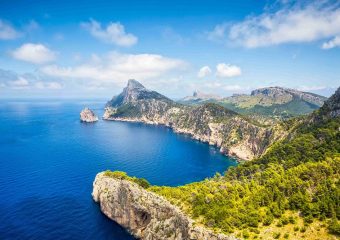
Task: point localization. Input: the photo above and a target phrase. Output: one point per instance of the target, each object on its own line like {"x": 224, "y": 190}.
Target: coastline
{"x": 235, "y": 158}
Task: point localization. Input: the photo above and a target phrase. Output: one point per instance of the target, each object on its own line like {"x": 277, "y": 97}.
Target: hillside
{"x": 292, "y": 191}
{"x": 234, "y": 134}
{"x": 276, "y": 102}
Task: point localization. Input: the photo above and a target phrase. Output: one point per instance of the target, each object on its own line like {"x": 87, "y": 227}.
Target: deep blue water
{"x": 48, "y": 161}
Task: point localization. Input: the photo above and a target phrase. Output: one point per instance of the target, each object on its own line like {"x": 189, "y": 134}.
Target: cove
{"x": 49, "y": 160}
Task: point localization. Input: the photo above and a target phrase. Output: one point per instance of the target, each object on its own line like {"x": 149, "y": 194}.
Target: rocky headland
{"x": 232, "y": 133}
{"x": 87, "y": 115}
{"x": 144, "y": 214}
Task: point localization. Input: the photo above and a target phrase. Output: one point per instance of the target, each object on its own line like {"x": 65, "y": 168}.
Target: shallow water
{"x": 49, "y": 161}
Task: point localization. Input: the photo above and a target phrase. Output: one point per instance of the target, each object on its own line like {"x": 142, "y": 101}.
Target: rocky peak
{"x": 134, "y": 84}
{"x": 133, "y": 93}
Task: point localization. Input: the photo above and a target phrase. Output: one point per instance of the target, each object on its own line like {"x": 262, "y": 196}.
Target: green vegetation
{"x": 290, "y": 109}
{"x": 122, "y": 175}
{"x": 299, "y": 174}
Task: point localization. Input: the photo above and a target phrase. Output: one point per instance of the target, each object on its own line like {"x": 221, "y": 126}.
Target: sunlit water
{"x": 48, "y": 161}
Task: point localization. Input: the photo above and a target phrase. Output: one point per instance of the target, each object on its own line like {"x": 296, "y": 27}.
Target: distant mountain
{"x": 272, "y": 102}
{"x": 198, "y": 97}
{"x": 232, "y": 133}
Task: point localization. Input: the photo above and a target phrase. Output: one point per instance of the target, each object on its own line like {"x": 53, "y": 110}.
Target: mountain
{"x": 133, "y": 92}
{"x": 277, "y": 102}
{"x": 234, "y": 134}
{"x": 292, "y": 191}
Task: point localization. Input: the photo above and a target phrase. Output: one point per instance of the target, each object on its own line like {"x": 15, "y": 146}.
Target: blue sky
{"x": 89, "y": 49}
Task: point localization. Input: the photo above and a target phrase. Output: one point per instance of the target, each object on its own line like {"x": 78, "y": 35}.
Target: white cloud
{"x": 227, "y": 70}
{"x": 13, "y": 80}
{"x": 48, "y": 85}
{"x": 299, "y": 23}
{"x": 117, "y": 68}
{"x": 203, "y": 72}
{"x": 335, "y": 42}
{"x": 113, "y": 33}
{"x": 34, "y": 53}
{"x": 7, "y": 32}
{"x": 21, "y": 82}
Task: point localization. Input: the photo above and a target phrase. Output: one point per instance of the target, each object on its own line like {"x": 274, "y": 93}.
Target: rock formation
{"x": 144, "y": 214}
{"x": 87, "y": 115}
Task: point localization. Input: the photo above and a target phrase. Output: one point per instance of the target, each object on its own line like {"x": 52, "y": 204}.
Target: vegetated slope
{"x": 292, "y": 191}
{"x": 275, "y": 102}
{"x": 234, "y": 134}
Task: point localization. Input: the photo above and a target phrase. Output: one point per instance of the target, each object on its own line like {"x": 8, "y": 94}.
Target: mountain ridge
{"x": 268, "y": 102}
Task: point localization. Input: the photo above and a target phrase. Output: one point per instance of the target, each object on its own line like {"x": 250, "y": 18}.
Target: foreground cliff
{"x": 145, "y": 214}
{"x": 234, "y": 134}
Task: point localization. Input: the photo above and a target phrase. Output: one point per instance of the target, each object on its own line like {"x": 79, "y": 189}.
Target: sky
{"x": 89, "y": 49}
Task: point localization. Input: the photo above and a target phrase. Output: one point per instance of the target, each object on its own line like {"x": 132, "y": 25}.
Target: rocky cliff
{"x": 87, "y": 115}
{"x": 234, "y": 134}
{"x": 144, "y": 214}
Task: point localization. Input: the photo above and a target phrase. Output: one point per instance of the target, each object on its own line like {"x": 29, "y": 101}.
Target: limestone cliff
{"x": 144, "y": 214}
{"x": 232, "y": 133}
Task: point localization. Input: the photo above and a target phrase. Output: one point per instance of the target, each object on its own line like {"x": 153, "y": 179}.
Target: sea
{"x": 49, "y": 159}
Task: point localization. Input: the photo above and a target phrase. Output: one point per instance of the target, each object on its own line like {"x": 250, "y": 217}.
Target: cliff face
{"x": 210, "y": 123}
{"x": 145, "y": 214}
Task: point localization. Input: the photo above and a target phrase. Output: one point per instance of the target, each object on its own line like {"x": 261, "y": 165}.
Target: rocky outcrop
{"x": 87, "y": 115}
{"x": 144, "y": 214}
{"x": 210, "y": 123}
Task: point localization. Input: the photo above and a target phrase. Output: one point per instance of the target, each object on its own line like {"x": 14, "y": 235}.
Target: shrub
{"x": 142, "y": 182}
{"x": 276, "y": 235}
{"x": 334, "y": 226}
{"x": 116, "y": 174}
